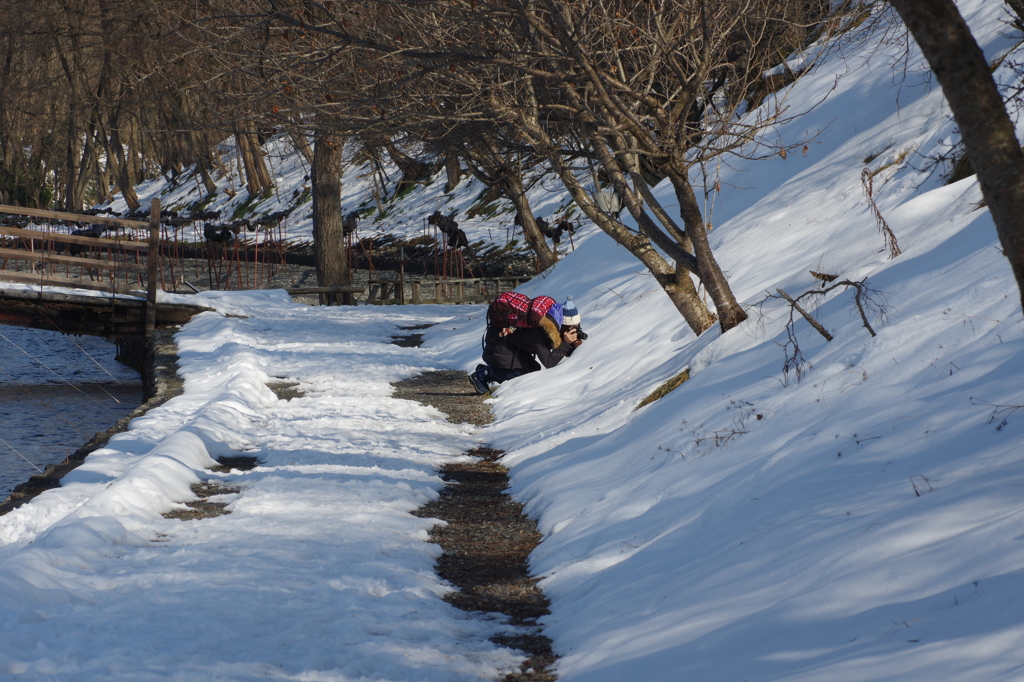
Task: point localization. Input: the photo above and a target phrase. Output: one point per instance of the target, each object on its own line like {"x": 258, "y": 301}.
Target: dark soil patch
{"x": 410, "y": 340}
{"x": 499, "y": 531}
{"x": 241, "y": 462}
{"x": 488, "y": 539}
{"x": 203, "y": 508}
{"x": 285, "y": 389}
{"x": 449, "y": 391}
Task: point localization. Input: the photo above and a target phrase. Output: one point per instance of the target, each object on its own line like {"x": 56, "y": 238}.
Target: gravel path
{"x": 488, "y": 539}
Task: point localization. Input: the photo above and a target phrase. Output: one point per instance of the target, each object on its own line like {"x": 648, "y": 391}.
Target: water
{"x": 56, "y": 392}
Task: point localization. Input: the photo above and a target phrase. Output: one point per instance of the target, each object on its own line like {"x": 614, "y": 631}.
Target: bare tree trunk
{"x": 301, "y": 144}
{"x": 989, "y": 136}
{"x": 71, "y": 162}
{"x": 257, "y": 177}
{"x": 102, "y": 179}
{"x": 125, "y": 182}
{"x": 701, "y": 261}
{"x": 675, "y": 281}
{"x": 106, "y": 172}
{"x": 87, "y": 167}
{"x": 1018, "y": 9}
{"x": 730, "y": 313}
{"x": 503, "y": 175}
{"x": 511, "y": 182}
{"x": 453, "y": 171}
{"x": 202, "y": 164}
{"x": 201, "y": 156}
{"x": 133, "y": 153}
{"x": 328, "y": 235}
{"x": 412, "y": 170}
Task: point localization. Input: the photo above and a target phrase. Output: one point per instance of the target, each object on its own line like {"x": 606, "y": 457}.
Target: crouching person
{"x": 511, "y": 351}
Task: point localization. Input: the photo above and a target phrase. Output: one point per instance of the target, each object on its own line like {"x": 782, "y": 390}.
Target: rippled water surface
{"x": 56, "y": 392}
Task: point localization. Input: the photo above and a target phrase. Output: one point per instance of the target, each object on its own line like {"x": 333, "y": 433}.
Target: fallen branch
{"x": 865, "y": 298}
{"x": 999, "y": 412}
{"x": 806, "y": 315}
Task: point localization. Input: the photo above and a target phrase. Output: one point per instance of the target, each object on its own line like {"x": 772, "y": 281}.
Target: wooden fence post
{"x": 153, "y": 261}
{"x": 416, "y": 293}
{"x": 400, "y": 287}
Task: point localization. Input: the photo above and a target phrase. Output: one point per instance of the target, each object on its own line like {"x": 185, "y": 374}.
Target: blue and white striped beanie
{"x": 570, "y": 313}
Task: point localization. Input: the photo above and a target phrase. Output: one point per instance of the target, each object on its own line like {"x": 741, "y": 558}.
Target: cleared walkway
{"x": 320, "y": 570}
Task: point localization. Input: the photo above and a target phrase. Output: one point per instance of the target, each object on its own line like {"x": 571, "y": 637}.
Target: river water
{"x": 56, "y": 392}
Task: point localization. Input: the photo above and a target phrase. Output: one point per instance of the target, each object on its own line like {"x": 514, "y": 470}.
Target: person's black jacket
{"x": 524, "y": 347}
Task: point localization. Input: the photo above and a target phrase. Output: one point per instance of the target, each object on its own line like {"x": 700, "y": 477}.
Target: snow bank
{"x": 319, "y": 571}
{"x": 860, "y": 524}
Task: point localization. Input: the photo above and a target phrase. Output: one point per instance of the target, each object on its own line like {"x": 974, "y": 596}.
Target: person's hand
{"x": 569, "y": 336}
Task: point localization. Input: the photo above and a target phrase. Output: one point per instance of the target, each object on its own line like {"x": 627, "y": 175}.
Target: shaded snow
{"x": 319, "y": 572}
{"x": 863, "y": 523}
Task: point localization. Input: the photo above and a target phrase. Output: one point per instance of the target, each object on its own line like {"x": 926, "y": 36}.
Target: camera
{"x": 580, "y": 334}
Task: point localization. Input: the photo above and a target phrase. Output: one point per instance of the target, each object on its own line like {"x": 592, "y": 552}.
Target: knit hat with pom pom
{"x": 570, "y": 313}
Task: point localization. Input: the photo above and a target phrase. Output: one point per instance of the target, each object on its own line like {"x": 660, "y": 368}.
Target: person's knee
{"x": 501, "y": 375}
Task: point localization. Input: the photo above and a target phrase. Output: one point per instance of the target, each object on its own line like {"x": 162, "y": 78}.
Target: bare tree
{"x": 638, "y": 90}
{"x": 493, "y": 160}
{"x": 988, "y": 134}
{"x": 257, "y": 177}
{"x": 644, "y": 90}
{"x": 82, "y": 81}
{"x": 328, "y": 234}
{"x": 659, "y": 86}
{"x": 1017, "y": 7}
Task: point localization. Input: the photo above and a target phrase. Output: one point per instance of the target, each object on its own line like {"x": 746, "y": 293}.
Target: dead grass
{"x": 666, "y": 388}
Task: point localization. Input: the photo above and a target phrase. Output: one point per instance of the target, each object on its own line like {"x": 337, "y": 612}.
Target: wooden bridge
{"x": 90, "y": 315}
{"x": 123, "y": 269}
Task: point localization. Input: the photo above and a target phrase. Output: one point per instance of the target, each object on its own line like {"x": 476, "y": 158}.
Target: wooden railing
{"x": 42, "y": 254}
{"x": 478, "y": 290}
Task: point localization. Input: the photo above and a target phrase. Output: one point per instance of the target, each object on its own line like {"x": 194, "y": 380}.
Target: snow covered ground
{"x": 319, "y": 572}
{"x": 862, "y": 523}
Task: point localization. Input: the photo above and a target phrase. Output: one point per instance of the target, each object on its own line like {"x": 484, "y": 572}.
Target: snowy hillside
{"x": 864, "y": 523}
{"x": 861, "y": 521}
{"x": 370, "y": 188}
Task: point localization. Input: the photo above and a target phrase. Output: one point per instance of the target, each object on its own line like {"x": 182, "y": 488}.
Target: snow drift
{"x": 860, "y": 523}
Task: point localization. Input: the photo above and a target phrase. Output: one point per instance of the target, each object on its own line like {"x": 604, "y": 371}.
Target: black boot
{"x": 479, "y": 379}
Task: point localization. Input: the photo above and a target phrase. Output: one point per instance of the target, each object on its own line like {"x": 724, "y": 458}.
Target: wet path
{"x": 488, "y": 539}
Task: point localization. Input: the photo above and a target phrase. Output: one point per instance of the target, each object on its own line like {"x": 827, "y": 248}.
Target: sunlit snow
{"x": 863, "y": 523}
